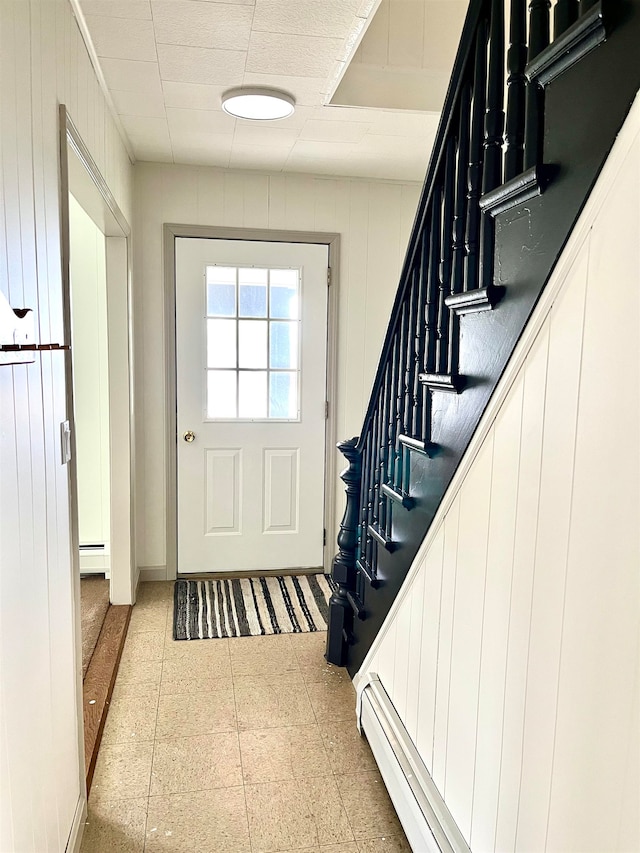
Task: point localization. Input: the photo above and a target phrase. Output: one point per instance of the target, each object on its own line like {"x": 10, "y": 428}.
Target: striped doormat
{"x": 249, "y": 607}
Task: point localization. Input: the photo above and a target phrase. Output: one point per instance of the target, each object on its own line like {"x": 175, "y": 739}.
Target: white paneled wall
{"x": 43, "y": 62}
{"x": 373, "y": 219}
{"x": 511, "y": 653}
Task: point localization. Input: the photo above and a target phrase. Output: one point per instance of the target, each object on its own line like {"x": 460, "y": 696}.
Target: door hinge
{"x": 328, "y": 276}
{"x": 324, "y": 537}
{"x": 326, "y": 409}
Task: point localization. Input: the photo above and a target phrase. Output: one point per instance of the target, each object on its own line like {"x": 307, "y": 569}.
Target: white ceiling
{"x": 167, "y": 63}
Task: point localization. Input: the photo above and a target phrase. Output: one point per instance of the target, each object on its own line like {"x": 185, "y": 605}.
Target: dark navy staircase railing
{"x": 486, "y": 161}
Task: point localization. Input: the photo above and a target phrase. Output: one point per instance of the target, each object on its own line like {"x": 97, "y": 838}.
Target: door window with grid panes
{"x": 253, "y": 343}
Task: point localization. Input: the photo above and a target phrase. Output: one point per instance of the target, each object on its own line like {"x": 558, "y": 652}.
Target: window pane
{"x": 253, "y": 343}
{"x": 221, "y": 291}
{"x": 221, "y": 394}
{"x": 252, "y": 275}
{"x": 284, "y": 293}
{"x": 253, "y": 300}
{"x": 253, "y": 394}
{"x": 221, "y": 343}
{"x": 284, "y": 345}
{"x": 283, "y": 395}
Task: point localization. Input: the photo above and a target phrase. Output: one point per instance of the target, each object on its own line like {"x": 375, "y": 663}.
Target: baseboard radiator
{"x": 425, "y": 818}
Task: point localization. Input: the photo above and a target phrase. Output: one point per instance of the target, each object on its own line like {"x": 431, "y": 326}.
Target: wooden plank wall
{"x": 373, "y": 219}
{"x": 512, "y": 657}
{"x": 43, "y": 62}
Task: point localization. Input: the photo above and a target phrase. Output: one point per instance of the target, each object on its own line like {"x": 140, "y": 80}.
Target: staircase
{"x": 528, "y": 121}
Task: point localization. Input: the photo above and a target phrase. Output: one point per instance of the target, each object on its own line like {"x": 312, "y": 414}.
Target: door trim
{"x": 170, "y": 232}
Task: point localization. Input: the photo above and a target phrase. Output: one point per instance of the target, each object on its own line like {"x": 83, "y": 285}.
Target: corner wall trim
{"x": 77, "y": 827}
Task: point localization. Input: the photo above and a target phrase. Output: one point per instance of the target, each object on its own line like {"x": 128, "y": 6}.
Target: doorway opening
{"x": 98, "y": 433}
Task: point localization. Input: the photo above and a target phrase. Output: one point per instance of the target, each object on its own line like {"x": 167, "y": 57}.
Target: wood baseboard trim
{"x": 99, "y": 680}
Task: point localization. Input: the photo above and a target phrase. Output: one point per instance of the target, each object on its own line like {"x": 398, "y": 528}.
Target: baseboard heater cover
{"x": 425, "y": 818}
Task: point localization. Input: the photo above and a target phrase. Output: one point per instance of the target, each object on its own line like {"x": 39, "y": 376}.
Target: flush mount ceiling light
{"x": 258, "y": 104}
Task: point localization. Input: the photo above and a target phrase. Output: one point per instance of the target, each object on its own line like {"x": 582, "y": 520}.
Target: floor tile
{"x": 350, "y": 847}
{"x": 332, "y": 701}
{"x": 286, "y": 753}
{"x": 347, "y": 750}
{"x": 198, "y": 822}
{"x": 309, "y": 650}
{"x": 262, "y": 655}
{"x": 195, "y": 649}
{"x": 294, "y": 814}
{"x": 123, "y": 771}
{"x": 368, "y": 806}
{"x": 117, "y": 826}
{"x": 197, "y": 714}
{"x": 186, "y": 675}
{"x": 272, "y": 702}
{"x": 143, "y": 646}
{"x": 388, "y": 844}
{"x": 132, "y": 713}
{"x": 139, "y": 672}
{"x": 158, "y": 591}
{"x": 148, "y": 617}
{"x": 197, "y": 763}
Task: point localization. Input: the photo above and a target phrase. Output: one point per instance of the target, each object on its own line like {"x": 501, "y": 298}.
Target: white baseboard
{"x": 152, "y": 573}
{"x": 77, "y": 827}
{"x": 425, "y": 818}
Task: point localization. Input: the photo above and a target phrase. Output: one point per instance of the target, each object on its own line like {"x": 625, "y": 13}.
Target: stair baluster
{"x": 493, "y": 134}
{"x": 538, "y": 40}
{"x": 516, "y": 88}
{"x": 476, "y": 160}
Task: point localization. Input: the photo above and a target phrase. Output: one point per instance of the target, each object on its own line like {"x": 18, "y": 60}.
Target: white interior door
{"x": 251, "y": 341}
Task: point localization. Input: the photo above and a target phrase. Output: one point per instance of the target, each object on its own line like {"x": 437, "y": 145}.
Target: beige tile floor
{"x": 245, "y": 745}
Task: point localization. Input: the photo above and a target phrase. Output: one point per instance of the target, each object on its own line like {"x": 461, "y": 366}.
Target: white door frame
{"x": 170, "y": 233}
{"x": 80, "y": 174}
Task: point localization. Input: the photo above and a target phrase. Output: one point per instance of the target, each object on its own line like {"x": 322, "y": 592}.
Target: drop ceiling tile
{"x": 329, "y": 18}
{"x": 192, "y": 96}
{"x": 327, "y": 150}
{"x": 145, "y": 127}
{"x": 258, "y": 157}
{"x": 302, "y": 56}
{"x": 405, "y": 124}
{"x": 122, "y": 38}
{"x": 198, "y": 24}
{"x": 199, "y": 121}
{"x": 127, "y": 75}
{"x": 307, "y": 91}
{"x": 256, "y": 134}
{"x": 139, "y": 104}
{"x": 201, "y": 65}
{"x": 334, "y": 131}
{"x": 152, "y": 152}
{"x": 214, "y": 153}
{"x": 191, "y": 140}
{"x": 140, "y": 9}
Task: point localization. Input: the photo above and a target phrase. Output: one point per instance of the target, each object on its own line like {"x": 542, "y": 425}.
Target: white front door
{"x": 251, "y": 340}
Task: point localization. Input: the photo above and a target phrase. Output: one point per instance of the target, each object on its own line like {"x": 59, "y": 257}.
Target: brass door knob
{"x": 189, "y": 436}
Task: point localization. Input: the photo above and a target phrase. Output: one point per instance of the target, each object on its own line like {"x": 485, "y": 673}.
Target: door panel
{"x": 251, "y": 331}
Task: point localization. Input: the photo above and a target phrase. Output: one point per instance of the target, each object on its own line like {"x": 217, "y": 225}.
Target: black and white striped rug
{"x": 248, "y": 607}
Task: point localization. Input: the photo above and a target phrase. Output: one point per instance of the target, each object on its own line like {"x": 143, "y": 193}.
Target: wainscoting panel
{"x": 525, "y": 646}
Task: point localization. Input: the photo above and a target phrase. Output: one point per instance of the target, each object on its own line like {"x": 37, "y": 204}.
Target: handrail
{"x": 481, "y": 165}
{"x": 465, "y": 46}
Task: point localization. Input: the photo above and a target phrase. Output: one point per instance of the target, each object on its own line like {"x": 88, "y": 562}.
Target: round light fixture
{"x": 258, "y": 104}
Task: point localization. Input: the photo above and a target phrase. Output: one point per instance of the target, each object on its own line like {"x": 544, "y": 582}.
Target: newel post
{"x": 344, "y": 563}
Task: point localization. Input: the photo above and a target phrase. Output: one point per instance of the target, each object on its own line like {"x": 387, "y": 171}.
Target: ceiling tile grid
{"x": 167, "y": 64}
